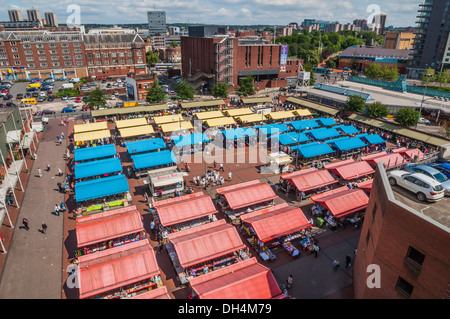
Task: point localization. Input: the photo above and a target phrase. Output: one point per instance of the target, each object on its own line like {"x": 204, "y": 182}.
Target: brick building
{"x": 137, "y": 86}
{"x": 410, "y": 247}
{"x": 399, "y": 40}
{"x": 170, "y": 54}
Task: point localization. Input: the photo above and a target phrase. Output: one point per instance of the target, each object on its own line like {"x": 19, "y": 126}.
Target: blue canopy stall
{"x": 97, "y": 168}
{"x": 303, "y": 125}
{"x": 292, "y": 138}
{"x": 313, "y": 149}
{"x": 326, "y": 121}
{"x": 347, "y": 129}
{"x": 94, "y": 152}
{"x": 144, "y": 146}
{"x": 192, "y": 142}
{"x": 153, "y": 160}
{"x": 323, "y": 133}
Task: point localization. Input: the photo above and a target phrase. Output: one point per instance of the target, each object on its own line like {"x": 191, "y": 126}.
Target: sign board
{"x": 303, "y": 76}
{"x": 283, "y": 59}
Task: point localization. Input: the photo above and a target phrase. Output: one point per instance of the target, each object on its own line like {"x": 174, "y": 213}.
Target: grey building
{"x": 433, "y": 29}
{"x": 156, "y": 23}
{"x": 50, "y": 19}
{"x": 203, "y": 31}
{"x": 15, "y": 15}
{"x": 34, "y": 15}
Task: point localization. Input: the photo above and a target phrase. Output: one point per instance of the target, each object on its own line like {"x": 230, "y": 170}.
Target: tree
{"x": 389, "y": 74}
{"x": 174, "y": 44}
{"x": 155, "y": 93}
{"x": 355, "y": 103}
{"x": 331, "y": 64}
{"x": 246, "y": 85}
{"x": 374, "y": 71}
{"x": 377, "y": 109}
{"x": 97, "y": 98}
{"x": 220, "y": 90}
{"x": 152, "y": 57}
{"x": 185, "y": 91}
{"x": 407, "y": 116}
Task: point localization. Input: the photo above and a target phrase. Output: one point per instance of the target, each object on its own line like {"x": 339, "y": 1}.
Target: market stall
{"x": 250, "y": 118}
{"x": 218, "y": 122}
{"x": 119, "y": 272}
{"x": 322, "y": 133}
{"x": 173, "y": 126}
{"x": 366, "y": 185}
{"x": 145, "y": 146}
{"x": 94, "y": 153}
{"x": 278, "y": 163}
{"x": 165, "y": 180}
{"x": 103, "y": 168}
{"x": 281, "y": 116}
{"x": 274, "y": 226}
{"x": 238, "y": 199}
{"x": 309, "y": 151}
{"x": 238, "y": 111}
{"x": 410, "y": 153}
{"x": 189, "y": 143}
{"x": 164, "y": 119}
{"x": 239, "y": 137}
{"x": 128, "y": 134}
{"x": 139, "y": 121}
{"x": 205, "y": 248}
{"x": 350, "y": 169}
{"x": 303, "y": 125}
{"x": 157, "y": 293}
{"x": 93, "y": 138}
{"x": 302, "y": 112}
{"x": 391, "y": 160}
{"x": 108, "y": 230}
{"x": 179, "y": 213}
{"x": 347, "y": 129}
{"x": 89, "y": 127}
{"x": 326, "y": 121}
{"x": 202, "y": 116}
{"x": 144, "y": 162}
{"x": 100, "y": 194}
{"x": 306, "y": 180}
{"x": 247, "y": 279}
{"x": 292, "y": 138}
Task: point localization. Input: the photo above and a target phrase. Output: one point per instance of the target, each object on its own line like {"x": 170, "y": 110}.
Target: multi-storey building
{"x": 398, "y": 40}
{"x": 50, "y": 19}
{"x": 15, "y": 15}
{"x": 34, "y": 15}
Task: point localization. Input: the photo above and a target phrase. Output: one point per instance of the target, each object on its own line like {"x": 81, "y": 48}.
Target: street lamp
{"x": 298, "y": 142}
{"x": 423, "y": 97}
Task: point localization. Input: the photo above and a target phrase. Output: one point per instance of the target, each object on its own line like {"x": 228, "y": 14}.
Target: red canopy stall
{"x": 158, "y": 293}
{"x": 366, "y": 185}
{"x": 108, "y": 229}
{"x": 307, "y": 180}
{"x": 350, "y": 169}
{"x": 118, "y": 272}
{"x": 205, "y": 248}
{"x": 391, "y": 160}
{"x": 410, "y": 153}
{"x": 245, "y": 280}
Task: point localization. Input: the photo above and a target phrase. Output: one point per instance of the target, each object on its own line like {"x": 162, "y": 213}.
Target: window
{"x": 66, "y": 51}
{"x": 367, "y": 237}
{"x": 55, "y": 63}
{"x": 39, "y": 46}
{"x": 41, "y": 52}
{"x": 13, "y": 42}
{"x": 3, "y": 57}
{"x": 52, "y": 45}
{"x": 27, "y": 46}
{"x": 42, "y": 58}
{"x": 77, "y": 50}
{"x": 31, "y": 65}
{"x": 68, "y": 63}
{"x": 54, "y": 51}
{"x": 79, "y": 62}
{"x": 415, "y": 256}
{"x": 30, "y": 58}
{"x": 44, "y": 65}
{"x": 28, "y": 52}
{"x": 55, "y": 58}
{"x": 404, "y": 287}
{"x": 14, "y": 50}
{"x": 64, "y": 45}
{"x": 15, "y": 56}
{"x": 17, "y": 62}
{"x": 66, "y": 57}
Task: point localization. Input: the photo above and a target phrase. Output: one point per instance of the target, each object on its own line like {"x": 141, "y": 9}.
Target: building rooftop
{"x": 376, "y": 52}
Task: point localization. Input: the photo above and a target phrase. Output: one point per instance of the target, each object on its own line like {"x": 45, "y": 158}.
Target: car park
{"x": 67, "y": 110}
{"x": 432, "y": 173}
{"x": 424, "y": 187}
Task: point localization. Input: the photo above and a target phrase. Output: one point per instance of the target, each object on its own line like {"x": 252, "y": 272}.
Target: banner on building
{"x": 283, "y": 60}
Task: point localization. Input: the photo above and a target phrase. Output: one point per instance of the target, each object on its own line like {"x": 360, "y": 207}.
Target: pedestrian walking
{"x": 289, "y": 281}
{"x": 215, "y": 163}
{"x": 56, "y": 209}
{"x": 39, "y": 172}
{"x": 25, "y": 224}
{"x": 221, "y": 168}
{"x": 62, "y": 135}
{"x": 44, "y": 228}
{"x": 335, "y": 264}
{"x": 348, "y": 261}
{"x": 48, "y": 167}
{"x": 161, "y": 246}
{"x": 152, "y": 227}
{"x": 60, "y": 172}
{"x": 316, "y": 250}
{"x": 59, "y": 186}
{"x": 229, "y": 176}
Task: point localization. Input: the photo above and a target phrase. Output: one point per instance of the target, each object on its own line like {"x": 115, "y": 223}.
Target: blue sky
{"x": 244, "y": 12}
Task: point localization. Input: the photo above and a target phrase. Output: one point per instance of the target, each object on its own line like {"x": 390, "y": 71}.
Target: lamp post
{"x": 298, "y": 142}
{"x": 423, "y": 97}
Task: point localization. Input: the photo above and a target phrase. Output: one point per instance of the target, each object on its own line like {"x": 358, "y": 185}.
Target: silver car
{"x": 424, "y": 187}
{"x": 433, "y": 173}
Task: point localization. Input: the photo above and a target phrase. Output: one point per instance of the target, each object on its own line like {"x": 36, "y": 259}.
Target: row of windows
{"x": 51, "y": 45}
{"x": 114, "y": 62}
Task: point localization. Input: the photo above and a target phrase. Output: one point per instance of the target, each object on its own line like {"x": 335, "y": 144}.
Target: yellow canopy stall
{"x": 251, "y": 118}
{"x": 89, "y": 136}
{"x": 302, "y": 112}
{"x": 239, "y": 112}
{"x": 220, "y": 121}
{"x": 132, "y": 122}
{"x": 83, "y": 128}
{"x": 280, "y": 115}
{"x": 176, "y": 126}
{"x": 167, "y": 119}
{"x": 208, "y": 115}
{"x": 136, "y": 131}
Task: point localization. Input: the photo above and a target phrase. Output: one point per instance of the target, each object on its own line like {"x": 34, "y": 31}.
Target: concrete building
{"x": 405, "y": 242}
{"x": 433, "y": 30}
{"x": 34, "y": 15}
{"x": 50, "y": 19}
{"x": 156, "y": 22}
{"x": 137, "y": 86}
{"x": 399, "y": 40}
{"x": 15, "y": 15}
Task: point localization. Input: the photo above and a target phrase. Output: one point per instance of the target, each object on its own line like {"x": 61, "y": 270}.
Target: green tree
{"x": 155, "y": 93}
{"x": 246, "y": 85}
{"x": 355, "y": 103}
{"x": 174, "y": 44}
{"x": 374, "y": 71}
{"x": 220, "y": 90}
{"x": 377, "y": 109}
{"x": 389, "y": 74}
{"x": 407, "y": 116}
{"x": 331, "y": 64}
{"x": 185, "y": 91}
{"x": 152, "y": 57}
{"x": 97, "y": 98}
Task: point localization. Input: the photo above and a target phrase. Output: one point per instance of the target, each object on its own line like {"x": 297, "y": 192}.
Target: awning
{"x": 153, "y": 159}
{"x": 313, "y": 149}
{"x": 390, "y": 160}
{"x": 366, "y": 185}
{"x": 274, "y": 128}
{"x": 208, "y": 115}
{"x": 184, "y": 208}
{"x": 350, "y": 169}
{"x": 108, "y": 225}
{"x": 117, "y": 267}
{"x": 237, "y": 133}
{"x": 309, "y": 179}
{"x": 347, "y": 129}
{"x": 257, "y": 100}
{"x": 323, "y": 133}
{"x": 292, "y": 138}
{"x": 190, "y": 139}
{"x": 276, "y": 221}
{"x": 372, "y": 138}
{"x": 348, "y": 144}
{"x": 410, "y": 153}
{"x": 246, "y": 279}
{"x": 239, "y": 111}
{"x": 94, "y": 152}
{"x": 163, "y": 177}
{"x": 101, "y": 187}
{"x": 312, "y": 105}
{"x": 342, "y": 201}
{"x": 147, "y": 145}
{"x": 326, "y": 121}
{"x": 130, "y": 110}
{"x": 96, "y": 126}
{"x": 90, "y": 136}
{"x": 280, "y": 115}
{"x": 251, "y": 118}
{"x": 136, "y": 131}
{"x": 97, "y": 168}
{"x": 211, "y": 103}
{"x": 205, "y": 242}
{"x": 167, "y": 119}
{"x": 158, "y": 293}
{"x": 247, "y": 194}
{"x": 302, "y": 112}
{"x": 27, "y": 139}
{"x": 303, "y": 124}
{"x": 176, "y": 126}
{"x": 14, "y": 136}
{"x": 132, "y": 122}
{"x": 222, "y": 121}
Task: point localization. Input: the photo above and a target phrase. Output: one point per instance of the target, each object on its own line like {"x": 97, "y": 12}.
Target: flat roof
{"x": 187, "y": 105}
{"x": 82, "y": 128}
{"x": 130, "y": 110}
{"x": 101, "y": 187}
{"x": 97, "y": 168}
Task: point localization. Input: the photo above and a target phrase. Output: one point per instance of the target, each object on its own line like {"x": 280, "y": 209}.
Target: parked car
{"x": 11, "y": 104}
{"x": 78, "y": 99}
{"x": 444, "y": 168}
{"x": 41, "y": 99}
{"x": 32, "y": 89}
{"x": 85, "y": 108}
{"x": 2, "y": 105}
{"x": 432, "y": 173}
{"x": 7, "y": 97}
{"x": 27, "y": 95}
{"x": 108, "y": 85}
{"x": 67, "y": 110}
{"x": 64, "y": 97}
{"x": 424, "y": 121}
{"x": 42, "y": 94}
{"x": 118, "y": 80}
{"x": 35, "y": 94}
{"x": 116, "y": 93}
{"x": 92, "y": 84}
{"x": 19, "y": 96}
{"x": 424, "y": 187}
{"x": 50, "y": 98}
{"x": 44, "y": 112}
{"x": 119, "y": 104}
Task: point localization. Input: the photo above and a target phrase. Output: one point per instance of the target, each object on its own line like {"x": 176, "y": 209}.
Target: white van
{"x": 67, "y": 86}
{"x": 74, "y": 80}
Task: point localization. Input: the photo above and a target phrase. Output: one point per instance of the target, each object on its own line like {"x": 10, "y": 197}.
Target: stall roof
{"x": 274, "y": 128}
{"x": 208, "y": 115}
{"x": 205, "y": 242}
{"x": 246, "y": 279}
{"x": 14, "y": 136}
{"x": 142, "y": 130}
{"x": 190, "y": 139}
{"x": 323, "y": 133}
{"x": 211, "y": 103}
{"x": 347, "y": 129}
{"x": 312, "y": 105}
{"x": 83, "y": 128}
{"x": 97, "y": 168}
{"x": 256, "y": 100}
{"x": 247, "y": 194}
{"x": 116, "y": 267}
{"x": 302, "y": 112}
{"x": 326, "y": 121}
{"x": 94, "y": 152}
{"x": 291, "y": 138}
{"x": 147, "y": 145}
{"x": 373, "y": 138}
{"x": 90, "y": 136}
{"x": 410, "y": 153}
{"x": 281, "y": 115}
{"x": 342, "y": 201}
{"x": 108, "y": 225}
{"x": 349, "y": 144}
{"x": 184, "y": 208}
{"x": 175, "y": 126}
{"x": 350, "y": 169}
{"x": 221, "y": 121}
{"x": 390, "y": 160}
{"x": 310, "y": 178}
{"x": 153, "y": 159}
{"x": 313, "y": 149}
{"x": 167, "y": 119}
{"x": 276, "y": 221}
{"x": 130, "y": 110}
{"x": 158, "y": 293}
{"x": 236, "y": 133}
{"x": 239, "y": 111}
{"x": 303, "y": 124}
{"x": 251, "y": 118}
{"x": 366, "y": 185}
{"x": 101, "y": 187}
{"x": 131, "y": 122}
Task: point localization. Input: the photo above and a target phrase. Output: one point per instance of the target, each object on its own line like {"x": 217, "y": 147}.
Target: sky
{"x": 225, "y": 12}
